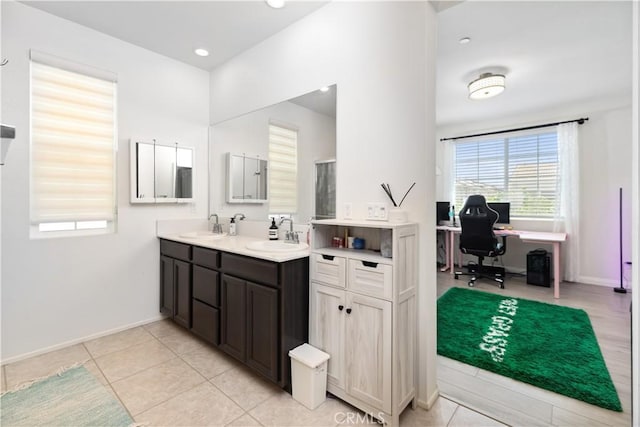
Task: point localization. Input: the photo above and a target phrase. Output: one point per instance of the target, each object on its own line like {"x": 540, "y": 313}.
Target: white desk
{"x": 526, "y": 236}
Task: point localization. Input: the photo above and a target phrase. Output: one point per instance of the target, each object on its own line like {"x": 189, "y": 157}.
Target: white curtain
{"x": 567, "y": 217}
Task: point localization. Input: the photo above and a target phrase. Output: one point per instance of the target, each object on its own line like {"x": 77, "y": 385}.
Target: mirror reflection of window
{"x": 283, "y": 157}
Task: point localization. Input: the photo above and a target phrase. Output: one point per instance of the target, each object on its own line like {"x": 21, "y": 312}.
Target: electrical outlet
{"x": 377, "y": 211}
{"x": 348, "y": 208}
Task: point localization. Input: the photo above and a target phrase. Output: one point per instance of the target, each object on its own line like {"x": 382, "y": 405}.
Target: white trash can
{"x": 309, "y": 375}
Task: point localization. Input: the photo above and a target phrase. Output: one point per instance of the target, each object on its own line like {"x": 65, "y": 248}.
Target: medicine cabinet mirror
{"x": 161, "y": 173}
{"x": 247, "y": 179}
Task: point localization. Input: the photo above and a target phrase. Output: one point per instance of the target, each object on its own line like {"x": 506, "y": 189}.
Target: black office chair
{"x": 477, "y": 238}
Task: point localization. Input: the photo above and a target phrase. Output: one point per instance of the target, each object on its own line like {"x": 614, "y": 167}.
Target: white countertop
{"x": 236, "y": 245}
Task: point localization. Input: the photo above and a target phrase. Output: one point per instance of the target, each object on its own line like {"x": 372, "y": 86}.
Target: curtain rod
{"x": 580, "y": 121}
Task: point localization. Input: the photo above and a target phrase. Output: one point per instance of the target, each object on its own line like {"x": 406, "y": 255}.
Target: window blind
{"x": 283, "y": 169}
{"x": 72, "y": 146}
{"x": 522, "y": 170}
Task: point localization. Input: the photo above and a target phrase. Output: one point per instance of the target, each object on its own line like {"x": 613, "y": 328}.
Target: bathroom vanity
{"x": 252, "y": 305}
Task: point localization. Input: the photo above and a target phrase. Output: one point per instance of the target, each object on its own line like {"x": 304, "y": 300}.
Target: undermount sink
{"x": 276, "y": 246}
{"x": 203, "y": 235}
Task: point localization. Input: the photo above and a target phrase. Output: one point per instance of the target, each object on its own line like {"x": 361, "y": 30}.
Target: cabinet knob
{"x": 348, "y": 311}
{"x": 340, "y": 307}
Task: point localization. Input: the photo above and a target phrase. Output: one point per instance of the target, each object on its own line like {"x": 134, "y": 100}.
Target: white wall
{"x": 249, "y": 134}
{"x": 605, "y": 166}
{"x": 59, "y": 291}
{"x": 381, "y": 57}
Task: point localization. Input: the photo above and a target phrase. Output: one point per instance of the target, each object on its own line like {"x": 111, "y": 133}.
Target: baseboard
{"x": 598, "y": 281}
{"x": 430, "y": 401}
{"x": 78, "y": 340}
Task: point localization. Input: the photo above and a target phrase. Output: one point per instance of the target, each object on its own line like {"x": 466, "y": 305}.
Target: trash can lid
{"x": 309, "y": 355}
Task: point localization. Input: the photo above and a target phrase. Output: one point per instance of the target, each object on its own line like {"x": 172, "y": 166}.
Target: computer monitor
{"x": 502, "y": 208}
{"x": 442, "y": 212}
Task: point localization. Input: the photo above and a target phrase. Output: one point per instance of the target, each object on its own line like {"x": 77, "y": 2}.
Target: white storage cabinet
{"x": 363, "y": 314}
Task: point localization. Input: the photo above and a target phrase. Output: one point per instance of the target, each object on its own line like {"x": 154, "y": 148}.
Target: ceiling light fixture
{"x": 201, "y": 51}
{"x": 464, "y": 40}
{"x": 486, "y": 86}
{"x": 276, "y": 4}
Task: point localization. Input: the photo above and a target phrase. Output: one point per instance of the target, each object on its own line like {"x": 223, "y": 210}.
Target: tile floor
{"x": 165, "y": 376}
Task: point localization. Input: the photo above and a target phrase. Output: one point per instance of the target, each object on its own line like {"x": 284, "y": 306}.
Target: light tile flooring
{"x": 164, "y": 376}
{"x": 520, "y": 404}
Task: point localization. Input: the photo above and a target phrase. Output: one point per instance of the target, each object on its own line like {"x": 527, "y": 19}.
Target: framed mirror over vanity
{"x": 161, "y": 173}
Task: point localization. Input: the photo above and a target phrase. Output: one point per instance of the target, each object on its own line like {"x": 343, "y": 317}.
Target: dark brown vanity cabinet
{"x": 253, "y": 309}
{"x": 175, "y": 282}
{"x": 249, "y": 329}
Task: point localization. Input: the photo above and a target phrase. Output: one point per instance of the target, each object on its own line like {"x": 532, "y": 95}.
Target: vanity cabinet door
{"x": 262, "y": 329}
{"x": 182, "y": 286}
{"x": 166, "y": 285}
{"x": 175, "y": 290}
{"x": 233, "y": 313}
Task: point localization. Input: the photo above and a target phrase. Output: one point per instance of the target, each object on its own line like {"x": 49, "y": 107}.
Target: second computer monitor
{"x": 503, "y": 210}
{"x": 442, "y": 212}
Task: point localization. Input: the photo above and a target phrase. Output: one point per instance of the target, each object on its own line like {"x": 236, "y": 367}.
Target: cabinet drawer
{"x": 206, "y": 257}
{"x": 206, "y": 322}
{"x": 370, "y": 278}
{"x": 328, "y": 269}
{"x": 175, "y": 250}
{"x": 256, "y": 270}
{"x": 205, "y": 285}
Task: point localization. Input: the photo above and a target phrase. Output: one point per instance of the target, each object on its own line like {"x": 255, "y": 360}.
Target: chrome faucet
{"x": 290, "y": 236}
{"x": 217, "y": 227}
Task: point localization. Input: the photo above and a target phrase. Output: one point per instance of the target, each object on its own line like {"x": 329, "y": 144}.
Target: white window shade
{"x": 522, "y": 170}
{"x": 72, "y": 146}
{"x": 283, "y": 170}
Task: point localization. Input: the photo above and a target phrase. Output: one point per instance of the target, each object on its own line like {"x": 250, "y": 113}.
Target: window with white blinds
{"x": 73, "y": 137}
{"x": 522, "y": 170}
{"x": 283, "y": 170}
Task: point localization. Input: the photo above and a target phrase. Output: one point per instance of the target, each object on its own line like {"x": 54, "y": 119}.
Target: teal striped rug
{"x": 73, "y": 398}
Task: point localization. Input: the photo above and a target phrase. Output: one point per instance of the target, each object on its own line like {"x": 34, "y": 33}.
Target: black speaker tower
{"x": 621, "y": 289}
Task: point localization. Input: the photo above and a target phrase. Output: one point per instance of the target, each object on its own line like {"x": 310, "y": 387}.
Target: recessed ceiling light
{"x": 201, "y": 51}
{"x": 464, "y": 40}
{"x": 276, "y": 4}
{"x": 324, "y": 89}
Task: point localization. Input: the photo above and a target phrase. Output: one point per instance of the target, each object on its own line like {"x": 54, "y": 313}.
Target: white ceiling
{"x": 176, "y": 28}
{"x": 554, "y": 53}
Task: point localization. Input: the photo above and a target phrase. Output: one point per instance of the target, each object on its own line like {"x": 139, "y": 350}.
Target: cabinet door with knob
{"x": 368, "y": 349}
{"x": 326, "y": 328}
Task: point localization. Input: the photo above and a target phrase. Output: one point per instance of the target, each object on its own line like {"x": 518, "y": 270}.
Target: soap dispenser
{"x": 232, "y": 227}
{"x": 273, "y": 230}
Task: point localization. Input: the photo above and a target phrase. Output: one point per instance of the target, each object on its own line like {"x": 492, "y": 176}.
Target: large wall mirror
{"x": 161, "y": 173}
{"x": 312, "y": 119}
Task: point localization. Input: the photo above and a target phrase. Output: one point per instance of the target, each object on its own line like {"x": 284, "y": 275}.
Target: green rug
{"x": 548, "y": 346}
{"x": 73, "y": 398}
